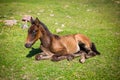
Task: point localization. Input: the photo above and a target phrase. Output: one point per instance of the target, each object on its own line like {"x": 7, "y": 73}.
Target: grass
{"x": 98, "y": 19}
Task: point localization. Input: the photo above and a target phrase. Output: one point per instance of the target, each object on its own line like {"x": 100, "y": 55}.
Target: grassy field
{"x": 98, "y": 19}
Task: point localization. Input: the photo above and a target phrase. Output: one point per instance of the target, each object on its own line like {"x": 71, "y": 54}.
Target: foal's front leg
{"x": 69, "y": 57}
{"x": 46, "y": 54}
{"x": 42, "y": 56}
{"x": 58, "y": 58}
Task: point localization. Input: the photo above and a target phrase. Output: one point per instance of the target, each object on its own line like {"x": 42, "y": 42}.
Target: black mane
{"x": 46, "y": 29}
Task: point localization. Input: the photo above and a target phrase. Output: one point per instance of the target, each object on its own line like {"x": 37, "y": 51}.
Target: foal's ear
{"x": 31, "y": 20}
{"x": 37, "y": 21}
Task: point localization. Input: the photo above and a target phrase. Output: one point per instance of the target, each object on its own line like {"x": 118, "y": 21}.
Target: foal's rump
{"x": 82, "y": 39}
{"x": 86, "y": 44}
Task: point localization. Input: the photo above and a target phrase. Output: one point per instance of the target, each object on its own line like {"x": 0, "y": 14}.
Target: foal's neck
{"x": 47, "y": 35}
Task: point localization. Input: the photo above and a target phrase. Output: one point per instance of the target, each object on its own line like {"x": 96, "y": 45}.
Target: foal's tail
{"x": 94, "y": 49}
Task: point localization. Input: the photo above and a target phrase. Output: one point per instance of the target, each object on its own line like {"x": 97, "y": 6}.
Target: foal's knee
{"x": 38, "y": 57}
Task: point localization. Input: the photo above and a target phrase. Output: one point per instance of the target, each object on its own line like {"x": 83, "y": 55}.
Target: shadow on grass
{"x": 33, "y": 52}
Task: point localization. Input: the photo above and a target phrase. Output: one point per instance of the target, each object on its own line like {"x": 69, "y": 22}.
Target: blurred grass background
{"x": 98, "y": 19}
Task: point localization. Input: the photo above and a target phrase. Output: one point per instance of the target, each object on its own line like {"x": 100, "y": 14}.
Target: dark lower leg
{"x": 57, "y": 57}
{"x": 89, "y": 51}
{"x": 82, "y": 57}
{"x": 70, "y": 57}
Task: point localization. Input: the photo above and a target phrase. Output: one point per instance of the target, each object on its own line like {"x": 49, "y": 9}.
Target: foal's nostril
{"x": 27, "y": 45}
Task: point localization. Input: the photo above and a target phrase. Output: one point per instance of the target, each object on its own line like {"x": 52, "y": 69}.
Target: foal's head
{"x": 34, "y": 32}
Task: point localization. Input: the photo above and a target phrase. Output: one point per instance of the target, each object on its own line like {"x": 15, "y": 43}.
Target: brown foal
{"x": 56, "y": 47}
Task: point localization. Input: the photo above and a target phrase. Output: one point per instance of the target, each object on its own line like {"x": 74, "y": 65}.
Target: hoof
{"x": 92, "y": 53}
{"x": 38, "y": 57}
{"x": 81, "y": 60}
{"x": 55, "y": 58}
{"x": 70, "y": 57}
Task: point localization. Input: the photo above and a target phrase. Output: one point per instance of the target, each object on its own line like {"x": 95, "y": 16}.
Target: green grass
{"x": 98, "y": 19}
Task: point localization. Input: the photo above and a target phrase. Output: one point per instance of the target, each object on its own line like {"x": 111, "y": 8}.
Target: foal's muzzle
{"x": 28, "y": 45}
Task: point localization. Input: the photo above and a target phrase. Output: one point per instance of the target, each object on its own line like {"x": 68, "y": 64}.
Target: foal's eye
{"x": 34, "y": 32}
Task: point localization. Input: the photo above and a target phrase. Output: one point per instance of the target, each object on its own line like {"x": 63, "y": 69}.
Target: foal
{"x": 56, "y": 47}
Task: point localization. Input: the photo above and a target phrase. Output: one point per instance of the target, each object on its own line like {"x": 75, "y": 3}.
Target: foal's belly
{"x": 66, "y": 49}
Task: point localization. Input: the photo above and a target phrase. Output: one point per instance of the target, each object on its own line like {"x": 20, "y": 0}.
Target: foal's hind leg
{"x": 82, "y": 55}
{"x": 87, "y": 49}
{"x": 89, "y": 55}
